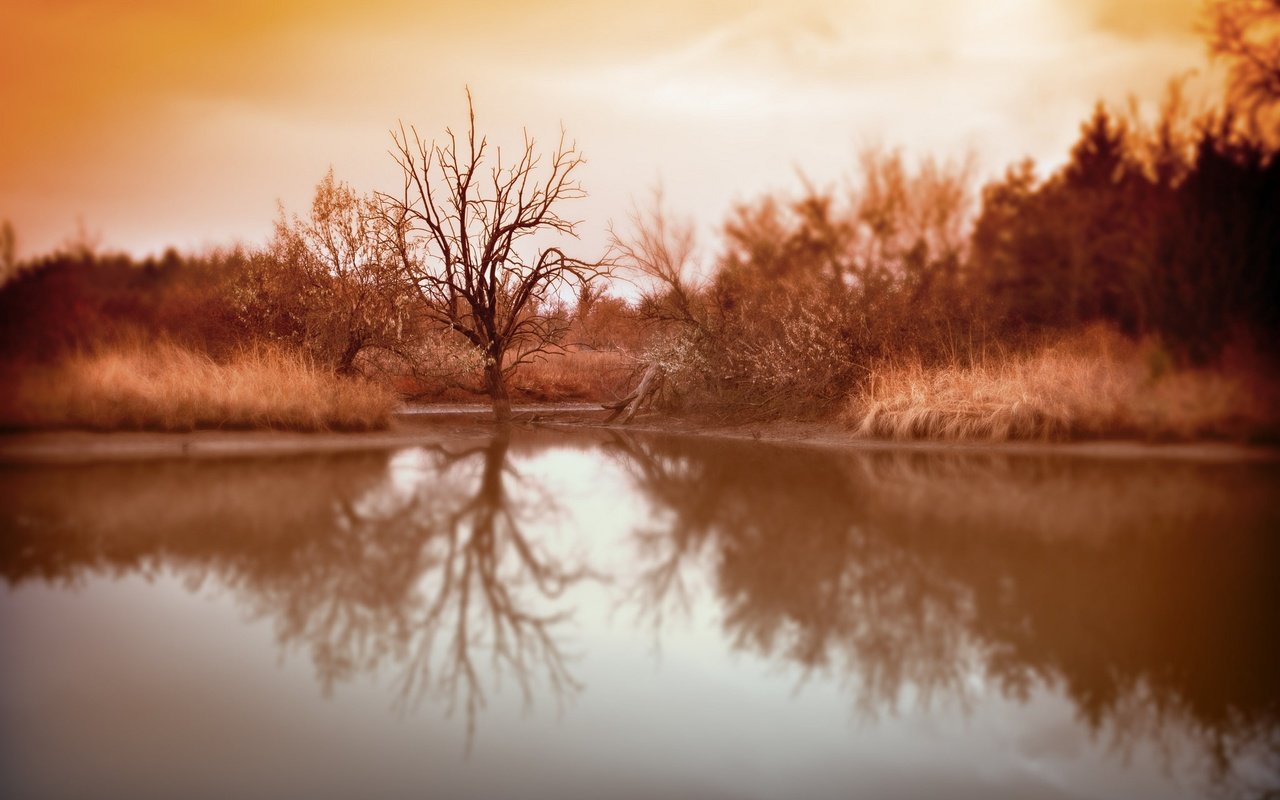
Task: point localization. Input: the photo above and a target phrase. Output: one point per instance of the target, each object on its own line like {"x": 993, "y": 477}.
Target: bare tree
{"x": 482, "y": 244}
{"x": 660, "y": 250}
{"x": 1247, "y": 34}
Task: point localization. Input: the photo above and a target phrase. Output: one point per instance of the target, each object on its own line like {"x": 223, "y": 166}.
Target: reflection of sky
{"x": 185, "y": 692}
{"x": 151, "y": 686}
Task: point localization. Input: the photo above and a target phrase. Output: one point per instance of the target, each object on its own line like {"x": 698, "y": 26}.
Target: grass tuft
{"x": 1096, "y": 385}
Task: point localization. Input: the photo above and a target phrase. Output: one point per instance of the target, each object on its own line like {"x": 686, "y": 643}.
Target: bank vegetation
{"x": 1133, "y": 291}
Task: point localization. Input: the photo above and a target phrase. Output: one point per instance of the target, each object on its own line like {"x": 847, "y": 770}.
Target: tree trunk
{"x": 497, "y": 384}
{"x": 347, "y": 361}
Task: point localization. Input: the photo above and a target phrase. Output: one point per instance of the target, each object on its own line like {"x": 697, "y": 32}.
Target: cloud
{"x": 1142, "y": 19}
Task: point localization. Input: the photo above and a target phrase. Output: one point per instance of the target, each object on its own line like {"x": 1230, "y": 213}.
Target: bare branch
{"x": 461, "y": 240}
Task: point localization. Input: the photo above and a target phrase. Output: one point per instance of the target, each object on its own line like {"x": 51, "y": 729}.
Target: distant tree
{"x": 1219, "y": 248}
{"x": 1003, "y": 245}
{"x": 659, "y": 249}
{"x": 1163, "y": 148}
{"x": 356, "y": 300}
{"x": 8, "y": 251}
{"x": 610, "y": 323}
{"x": 328, "y": 283}
{"x": 85, "y": 244}
{"x": 1097, "y": 215}
{"x": 63, "y": 302}
{"x": 1166, "y": 229}
{"x": 912, "y": 225}
{"x": 1098, "y": 158}
{"x": 1062, "y": 253}
{"x": 1246, "y": 34}
{"x": 483, "y": 246}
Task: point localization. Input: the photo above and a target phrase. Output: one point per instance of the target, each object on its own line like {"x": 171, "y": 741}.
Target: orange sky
{"x": 160, "y": 122}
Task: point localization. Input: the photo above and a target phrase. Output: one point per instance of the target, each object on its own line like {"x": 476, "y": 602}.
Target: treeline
{"x": 961, "y": 578}
{"x": 77, "y": 300}
{"x": 325, "y": 287}
{"x": 1172, "y": 231}
{"x": 1168, "y": 232}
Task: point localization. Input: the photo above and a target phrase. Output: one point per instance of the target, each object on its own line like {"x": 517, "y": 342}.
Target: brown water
{"x": 595, "y": 615}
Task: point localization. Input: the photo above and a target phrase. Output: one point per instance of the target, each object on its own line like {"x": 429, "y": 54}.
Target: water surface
{"x": 544, "y": 614}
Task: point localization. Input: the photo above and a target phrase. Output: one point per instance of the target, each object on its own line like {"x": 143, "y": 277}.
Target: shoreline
{"x": 831, "y": 436}
{"x": 443, "y": 425}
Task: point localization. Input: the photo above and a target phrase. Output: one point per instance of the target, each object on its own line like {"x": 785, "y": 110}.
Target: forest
{"x": 1133, "y": 291}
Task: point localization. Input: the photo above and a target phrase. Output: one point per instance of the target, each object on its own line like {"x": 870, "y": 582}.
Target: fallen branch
{"x": 629, "y": 405}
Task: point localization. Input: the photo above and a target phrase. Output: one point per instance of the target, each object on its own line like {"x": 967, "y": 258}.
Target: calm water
{"x": 596, "y": 615}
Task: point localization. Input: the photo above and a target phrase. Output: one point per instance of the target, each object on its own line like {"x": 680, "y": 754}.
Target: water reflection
{"x": 1145, "y": 594}
{"x": 475, "y": 563}
{"x": 416, "y": 562}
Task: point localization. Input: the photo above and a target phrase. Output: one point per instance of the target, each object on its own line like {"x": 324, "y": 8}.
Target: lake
{"x": 551, "y": 614}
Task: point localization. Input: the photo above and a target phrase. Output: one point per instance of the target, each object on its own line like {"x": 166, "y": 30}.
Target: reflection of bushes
{"x": 218, "y": 518}
{"x": 1134, "y": 588}
{"x": 419, "y": 563}
{"x": 1144, "y": 592}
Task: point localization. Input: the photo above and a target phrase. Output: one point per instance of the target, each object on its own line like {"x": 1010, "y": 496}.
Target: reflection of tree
{"x": 800, "y": 579}
{"x": 427, "y": 571}
{"x": 473, "y": 600}
{"x": 1147, "y": 595}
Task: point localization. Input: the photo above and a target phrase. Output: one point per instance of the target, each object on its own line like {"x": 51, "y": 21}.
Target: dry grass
{"x": 1096, "y": 385}
{"x": 170, "y": 388}
{"x": 581, "y": 375}
{"x": 575, "y": 375}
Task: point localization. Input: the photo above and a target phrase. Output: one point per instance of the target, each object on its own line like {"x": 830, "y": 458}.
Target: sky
{"x": 143, "y": 124}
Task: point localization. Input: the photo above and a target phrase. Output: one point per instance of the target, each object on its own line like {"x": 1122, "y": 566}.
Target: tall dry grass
{"x": 163, "y": 386}
{"x": 572, "y": 375}
{"x": 575, "y": 375}
{"x": 1094, "y": 385}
